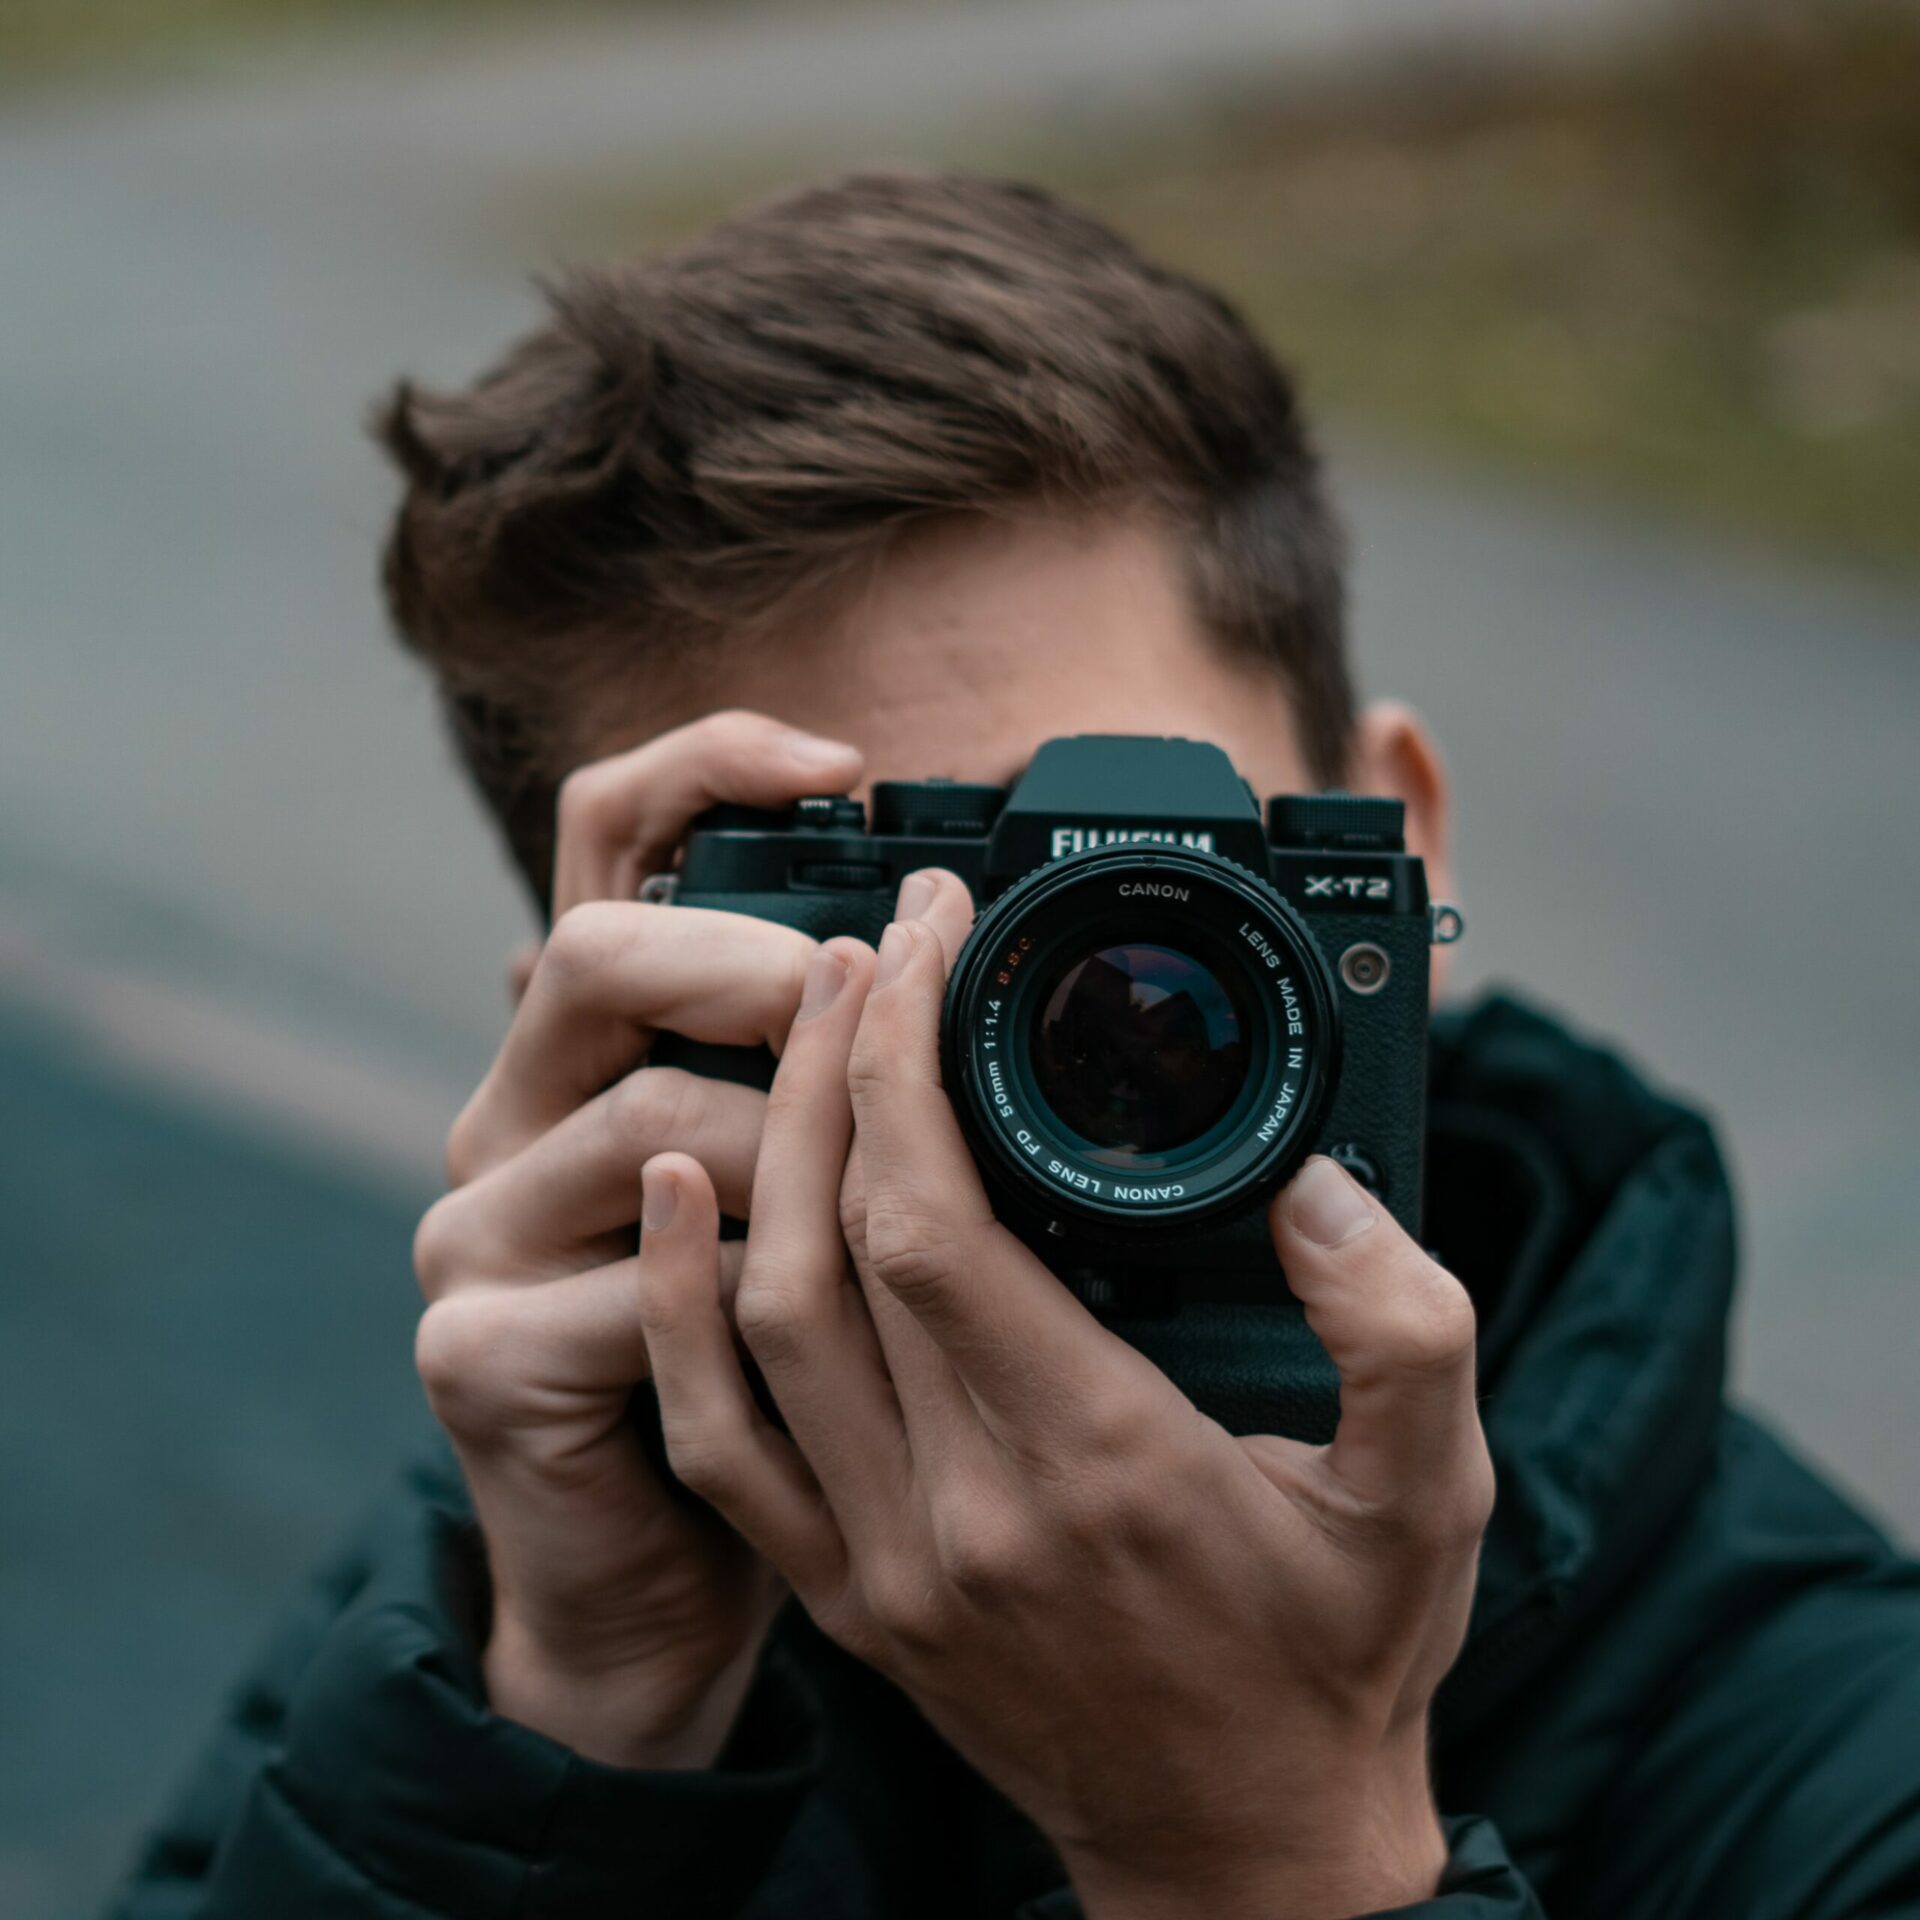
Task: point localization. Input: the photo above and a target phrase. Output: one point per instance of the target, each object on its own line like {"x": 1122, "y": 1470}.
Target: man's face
{"x": 971, "y": 644}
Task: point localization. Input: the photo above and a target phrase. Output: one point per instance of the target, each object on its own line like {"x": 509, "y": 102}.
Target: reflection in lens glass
{"x": 1140, "y": 1049}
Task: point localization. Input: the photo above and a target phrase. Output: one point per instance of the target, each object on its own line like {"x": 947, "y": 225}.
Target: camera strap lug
{"x": 658, "y": 889}
{"x": 1446, "y": 923}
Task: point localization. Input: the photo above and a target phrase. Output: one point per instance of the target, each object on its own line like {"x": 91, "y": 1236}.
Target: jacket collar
{"x": 1591, "y": 1219}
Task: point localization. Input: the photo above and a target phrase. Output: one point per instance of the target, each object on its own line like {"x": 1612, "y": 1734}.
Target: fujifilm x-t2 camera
{"x": 1167, "y": 1001}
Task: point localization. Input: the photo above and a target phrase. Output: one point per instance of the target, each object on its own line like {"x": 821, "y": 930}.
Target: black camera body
{"x": 1168, "y": 1001}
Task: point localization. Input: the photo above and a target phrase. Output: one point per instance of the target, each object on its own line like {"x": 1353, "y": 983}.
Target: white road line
{"x": 332, "y": 1096}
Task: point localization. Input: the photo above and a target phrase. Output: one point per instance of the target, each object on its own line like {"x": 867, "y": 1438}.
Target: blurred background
{"x": 1611, "y": 310}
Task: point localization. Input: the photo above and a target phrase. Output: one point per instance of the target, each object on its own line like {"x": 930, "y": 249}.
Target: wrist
{"x": 1378, "y": 1848}
{"x": 655, "y": 1711}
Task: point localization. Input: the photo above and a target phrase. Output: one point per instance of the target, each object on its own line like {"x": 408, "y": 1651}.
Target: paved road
{"x": 201, "y": 288}
{"x": 249, "y": 934}
{"x": 206, "y": 1379}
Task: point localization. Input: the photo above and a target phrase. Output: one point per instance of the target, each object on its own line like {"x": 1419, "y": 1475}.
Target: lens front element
{"x": 1139, "y": 1049}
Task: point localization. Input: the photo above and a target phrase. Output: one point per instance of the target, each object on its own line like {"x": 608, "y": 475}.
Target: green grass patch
{"x": 1694, "y": 273}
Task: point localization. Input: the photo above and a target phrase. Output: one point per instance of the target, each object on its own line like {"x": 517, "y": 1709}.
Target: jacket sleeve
{"x": 1480, "y": 1883}
{"x": 359, "y": 1772}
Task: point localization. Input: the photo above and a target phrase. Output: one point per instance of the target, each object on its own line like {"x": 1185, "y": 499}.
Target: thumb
{"x": 1398, "y": 1327}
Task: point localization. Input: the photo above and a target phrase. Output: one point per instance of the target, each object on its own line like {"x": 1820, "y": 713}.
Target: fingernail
{"x": 826, "y": 975}
{"x": 1326, "y": 1206}
{"x": 812, "y": 751}
{"x": 916, "y": 896}
{"x": 896, "y": 948}
{"x": 659, "y": 1195}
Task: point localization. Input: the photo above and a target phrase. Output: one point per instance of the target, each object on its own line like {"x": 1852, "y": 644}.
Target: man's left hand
{"x": 1201, "y": 1663}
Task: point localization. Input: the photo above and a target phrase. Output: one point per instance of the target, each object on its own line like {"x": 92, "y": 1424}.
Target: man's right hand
{"x": 626, "y": 1621}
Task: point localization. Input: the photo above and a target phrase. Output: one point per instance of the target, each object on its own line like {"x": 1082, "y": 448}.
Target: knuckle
{"x": 853, "y": 1203}
{"x": 1108, "y": 1493}
{"x": 772, "y": 1316}
{"x": 1445, "y": 1527}
{"x": 582, "y": 798}
{"x": 439, "y": 1246}
{"x": 902, "y": 1599}
{"x": 984, "y": 1552}
{"x": 863, "y": 1078}
{"x": 1446, "y": 1521}
{"x": 843, "y": 1617}
{"x": 866, "y": 1058}
{"x": 581, "y": 944}
{"x": 787, "y": 1098}
{"x": 871, "y": 1063}
{"x": 705, "y": 1458}
{"x": 910, "y": 1254}
{"x": 1100, "y": 1514}
{"x": 657, "y": 1301}
{"x": 1115, "y": 1425}
{"x": 651, "y": 1110}
{"x": 1473, "y": 1502}
{"x": 456, "y": 1352}
{"x": 1432, "y": 1328}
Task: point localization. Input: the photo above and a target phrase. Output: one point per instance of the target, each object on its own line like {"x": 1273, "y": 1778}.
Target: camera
{"x": 1168, "y": 1000}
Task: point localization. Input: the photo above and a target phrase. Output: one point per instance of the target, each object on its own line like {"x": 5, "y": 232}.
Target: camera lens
{"x": 1137, "y": 1039}
{"x": 1139, "y": 1048}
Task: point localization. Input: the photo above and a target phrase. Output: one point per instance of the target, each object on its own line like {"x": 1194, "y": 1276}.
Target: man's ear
{"x": 1395, "y": 755}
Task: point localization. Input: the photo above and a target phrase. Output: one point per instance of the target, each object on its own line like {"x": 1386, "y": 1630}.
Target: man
{"x": 902, "y": 476}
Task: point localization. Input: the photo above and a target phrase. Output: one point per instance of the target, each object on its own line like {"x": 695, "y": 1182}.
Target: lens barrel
{"x": 1139, "y": 1037}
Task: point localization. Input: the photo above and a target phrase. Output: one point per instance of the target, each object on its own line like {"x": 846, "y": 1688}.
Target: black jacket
{"x": 1691, "y": 1686}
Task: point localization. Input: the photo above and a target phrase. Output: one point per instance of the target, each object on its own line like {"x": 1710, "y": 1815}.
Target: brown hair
{"x": 693, "y": 441}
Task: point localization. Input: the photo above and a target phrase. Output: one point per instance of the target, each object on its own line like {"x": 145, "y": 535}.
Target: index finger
{"x": 1015, "y": 1335}
{"x": 619, "y": 819}
{"x": 610, "y": 977}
